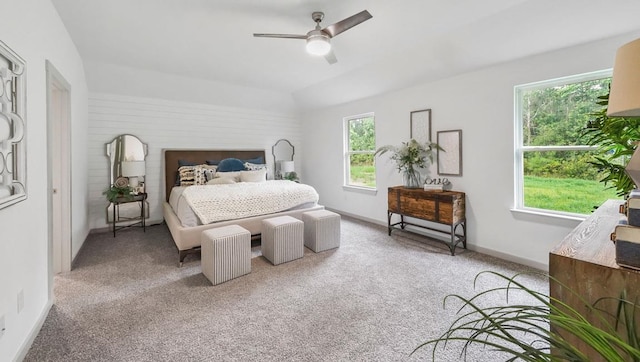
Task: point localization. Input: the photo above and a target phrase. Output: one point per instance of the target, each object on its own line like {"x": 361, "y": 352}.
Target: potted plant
{"x": 410, "y": 157}
{"x": 119, "y": 189}
{"x": 537, "y": 330}
{"x": 616, "y": 138}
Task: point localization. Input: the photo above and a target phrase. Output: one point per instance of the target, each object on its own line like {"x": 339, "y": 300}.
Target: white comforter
{"x": 213, "y": 203}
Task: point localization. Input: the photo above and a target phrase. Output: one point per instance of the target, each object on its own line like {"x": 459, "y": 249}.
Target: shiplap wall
{"x": 168, "y": 124}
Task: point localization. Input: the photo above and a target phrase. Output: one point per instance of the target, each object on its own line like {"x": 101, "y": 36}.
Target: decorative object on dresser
{"x": 13, "y": 150}
{"x": 583, "y": 271}
{"x": 410, "y": 158}
{"x": 127, "y": 205}
{"x": 420, "y": 122}
{"x": 282, "y": 152}
{"x": 440, "y": 207}
{"x": 450, "y": 162}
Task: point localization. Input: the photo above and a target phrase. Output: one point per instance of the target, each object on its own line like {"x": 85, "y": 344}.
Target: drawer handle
{"x": 613, "y": 237}
{"x": 623, "y": 209}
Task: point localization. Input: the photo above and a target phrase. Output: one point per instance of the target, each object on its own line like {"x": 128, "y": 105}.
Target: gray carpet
{"x": 375, "y": 298}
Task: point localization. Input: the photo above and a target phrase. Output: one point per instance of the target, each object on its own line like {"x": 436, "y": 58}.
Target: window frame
{"x": 347, "y": 154}
{"x": 520, "y": 149}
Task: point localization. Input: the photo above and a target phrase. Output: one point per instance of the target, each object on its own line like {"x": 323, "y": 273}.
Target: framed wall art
{"x": 13, "y": 158}
{"x": 450, "y": 161}
{"x": 421, "y": 125}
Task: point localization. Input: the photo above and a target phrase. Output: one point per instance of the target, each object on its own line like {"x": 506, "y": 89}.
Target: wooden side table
{"x": 141, "y": 198}
{"x": 441, "y": 207}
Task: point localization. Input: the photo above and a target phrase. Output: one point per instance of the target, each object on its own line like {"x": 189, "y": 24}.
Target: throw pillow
{"x": 230, "y": 164}
{"x": 253, "y": 176}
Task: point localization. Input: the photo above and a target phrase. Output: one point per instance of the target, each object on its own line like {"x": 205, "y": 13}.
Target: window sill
{"x": 549, "y": 213}
{"x": 362, "y": 190}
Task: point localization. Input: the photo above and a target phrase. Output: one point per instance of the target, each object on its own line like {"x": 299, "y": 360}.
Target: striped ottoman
{"x": 226, "y": 253}
{"x": 321, "y": 230}
{"x": 282, "y": 239}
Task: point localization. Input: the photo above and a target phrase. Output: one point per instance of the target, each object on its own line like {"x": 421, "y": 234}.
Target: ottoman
{"x": 226, "y": 253}
{"x": 282, "y": 239}
{"x": 321, "y": 230}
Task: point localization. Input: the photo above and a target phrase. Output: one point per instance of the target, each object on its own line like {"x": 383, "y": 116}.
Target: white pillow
{"x": 221, "y": 181}
{"x": 253, "y": 176}
{"x": 235, "y": 175}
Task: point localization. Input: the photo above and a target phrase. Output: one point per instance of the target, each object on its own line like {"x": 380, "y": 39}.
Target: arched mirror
{"x": 283, "y": 152}
{"x": 127, "y": 159}
{"x": 126, "y": 154}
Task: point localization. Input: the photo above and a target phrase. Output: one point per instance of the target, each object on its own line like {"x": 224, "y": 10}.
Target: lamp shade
{"x": 318, "y": 43}
{"x": 133, "y": 168}
{"x": 286, "y": 166}
{"x": 624, "y": 98}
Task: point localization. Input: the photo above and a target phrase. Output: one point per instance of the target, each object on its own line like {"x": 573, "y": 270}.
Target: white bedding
{"x": 197, "y": 205}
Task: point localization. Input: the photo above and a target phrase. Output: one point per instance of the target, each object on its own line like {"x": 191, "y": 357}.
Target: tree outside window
{"x": 360, "y": 146}
{"x": 552, "y": 158}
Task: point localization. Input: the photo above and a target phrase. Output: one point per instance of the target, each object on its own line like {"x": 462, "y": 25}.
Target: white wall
{"x": 480, "y": 103}
{"x": 174, "y": 124}
{"x": 33, "y": 29}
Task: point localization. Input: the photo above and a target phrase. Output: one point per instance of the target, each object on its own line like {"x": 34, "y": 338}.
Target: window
{"x": 360, "y": 146}
{"x": 552, "y": 169}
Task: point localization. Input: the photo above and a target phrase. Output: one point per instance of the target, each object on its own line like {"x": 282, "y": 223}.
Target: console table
{"x": 440, "y": 207}
{"x": 583, "y": 269}
{"x": 141, "y": 198}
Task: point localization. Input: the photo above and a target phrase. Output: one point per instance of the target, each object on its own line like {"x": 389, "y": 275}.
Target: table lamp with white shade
{"x": 133, "y": 170}
{"x": 624, "y": 97}
{"x": 286, "y": 167}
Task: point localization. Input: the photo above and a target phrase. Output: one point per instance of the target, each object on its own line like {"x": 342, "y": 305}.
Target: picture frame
{"x": 450, "y": 161}
{"x": 420, "y": 122}
{"x": 13, "y": 152}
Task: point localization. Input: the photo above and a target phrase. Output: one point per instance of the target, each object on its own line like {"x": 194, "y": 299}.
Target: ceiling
{"x": 405, "y": 43}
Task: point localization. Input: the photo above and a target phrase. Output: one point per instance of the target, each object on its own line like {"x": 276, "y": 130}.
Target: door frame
{"x": 58, "y": 155}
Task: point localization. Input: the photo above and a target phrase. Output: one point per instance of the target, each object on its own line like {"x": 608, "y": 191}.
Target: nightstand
{"x": 139, "y": 198}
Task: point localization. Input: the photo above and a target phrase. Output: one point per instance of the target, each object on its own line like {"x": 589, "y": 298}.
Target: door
{"x": 59, "y": 171}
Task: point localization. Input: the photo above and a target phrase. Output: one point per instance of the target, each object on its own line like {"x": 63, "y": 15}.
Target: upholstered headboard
{"x": 171, "y": 158}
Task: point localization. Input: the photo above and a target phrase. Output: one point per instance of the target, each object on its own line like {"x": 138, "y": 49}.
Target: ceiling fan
{"x": 319, "y": 40}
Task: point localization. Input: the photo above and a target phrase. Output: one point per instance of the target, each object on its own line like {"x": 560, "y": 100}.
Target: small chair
{"x": 321, "y": 230}
{"x": 282, "y": 239}
{"x": 226, "y": 253}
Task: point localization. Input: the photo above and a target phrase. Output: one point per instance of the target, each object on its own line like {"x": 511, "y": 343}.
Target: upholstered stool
{"x": 321, "y": 230}
{"x": 226, "y": 253}
{"x": 282, "y": 239}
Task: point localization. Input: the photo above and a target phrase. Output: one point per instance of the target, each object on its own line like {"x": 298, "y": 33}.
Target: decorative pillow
{"x": 234, "y": 175}
{"x": 213, "y": 162}
{"x": 230, "y": 164}
{"x": 221, "y": 181}
{"x": 186, "y": 174}
{"x": 254, "y": 166}
{"x": 258, "y": 160}
{"x": 253, "y": 176}
{"x": 202, "y": 173}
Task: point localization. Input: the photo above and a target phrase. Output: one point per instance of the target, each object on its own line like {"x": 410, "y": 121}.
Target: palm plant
{"x": 537, "y": 331}
{"x": 616, "y": 139}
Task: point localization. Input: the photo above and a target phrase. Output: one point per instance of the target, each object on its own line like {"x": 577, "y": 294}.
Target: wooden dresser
{"x": 584, "y": 262}
{"x": 440, "y": 207}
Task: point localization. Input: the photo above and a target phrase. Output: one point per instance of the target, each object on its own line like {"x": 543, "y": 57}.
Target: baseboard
{"x": 108, "y": 228}
{"x": 359, "y": 217}
{"x": 26, "y": 345}
{"x": 509, "y": 257}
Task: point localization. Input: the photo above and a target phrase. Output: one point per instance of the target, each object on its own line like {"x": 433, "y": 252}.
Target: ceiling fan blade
{"x": 348, "y": 23}
{"x": 331, "y": 57}
{"x": 284, "y": 36}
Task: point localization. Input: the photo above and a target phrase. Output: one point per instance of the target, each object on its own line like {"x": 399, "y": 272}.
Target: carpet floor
{"x": 376, "y": 298}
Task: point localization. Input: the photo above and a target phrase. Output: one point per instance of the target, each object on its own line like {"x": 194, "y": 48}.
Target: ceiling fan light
{"x": 318, "y": 44}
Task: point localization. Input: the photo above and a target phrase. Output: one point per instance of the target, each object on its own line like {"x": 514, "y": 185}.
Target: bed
{"x": 187, "y": 238}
